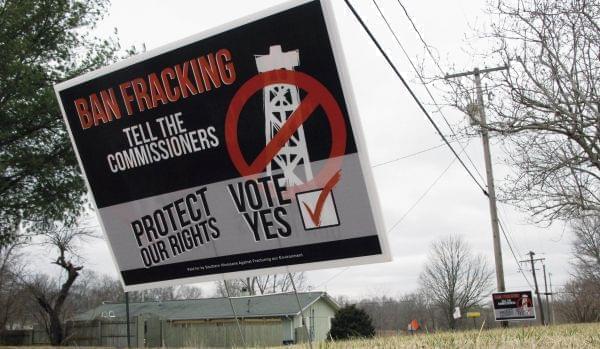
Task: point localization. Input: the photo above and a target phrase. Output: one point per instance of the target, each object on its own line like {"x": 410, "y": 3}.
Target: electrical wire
{"x": 404, "y": 215}
{"x": 508, "y": 237}
{"x": 502, "y": 217}
{"x": 505, "y": 233}
{"x": 331, "y": 278}
{"x": 401, "y": 218}
{"x": 409, "y": 155}
{"x": 423, "y": 195}
{"x": 421, "y": 78}
{"x": 413, "y": 95}
{"x": 427, "y": 47}
{"x": 513, "y": 253}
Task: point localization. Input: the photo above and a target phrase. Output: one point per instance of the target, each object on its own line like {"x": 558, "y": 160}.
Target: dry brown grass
{"x": 561, "y": 336}
{"x": 584, "y": 336}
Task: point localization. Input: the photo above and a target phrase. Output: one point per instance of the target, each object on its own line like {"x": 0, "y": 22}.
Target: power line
{"x": 421, "y": 78}
{"x": 427, "y": 47}
{"x": 409, "y": 155}
{"x": 505, "y": 232}
{"x": 502, "y": 213}
{"x": 414, "y": 154}
{"x": 435, "y": 61}
{"x": 421, "y": 37}
{"x": 403, "y": 216}
{"x": 331, "y": 278}
{"x": 413, "y": 95}
{"x": 508, "y": 237}
{"x": 422, "y": 195}
{"x": 513, "y": 253}
{"x": 457, "y": 157}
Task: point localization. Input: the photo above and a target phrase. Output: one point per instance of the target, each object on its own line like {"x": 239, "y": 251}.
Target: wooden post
{"x": 99, "y": 332}
{"x": 140, "y": 335}
{"x": 127, "y": 314}
{"x": 237, "y": 320}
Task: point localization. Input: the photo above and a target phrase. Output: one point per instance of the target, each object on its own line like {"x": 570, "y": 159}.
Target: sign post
{"x": 473, "y": 315}
{"x": 234, "y": 152}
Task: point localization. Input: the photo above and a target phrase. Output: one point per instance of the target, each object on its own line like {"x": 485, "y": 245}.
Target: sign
{"x": 513, "y": 305}
{"x": 456, "y": 315}
{"x": 473, "y": 314}
{"x": 413, "y": 325}
{"x": 228, "y": 154}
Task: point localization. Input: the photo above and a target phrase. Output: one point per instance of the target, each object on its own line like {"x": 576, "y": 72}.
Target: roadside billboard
{"x": 234, "y": 152}
{"x": 517, "y": 305}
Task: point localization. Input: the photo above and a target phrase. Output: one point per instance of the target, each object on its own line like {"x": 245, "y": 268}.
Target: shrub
{"x": 351, "y": 322}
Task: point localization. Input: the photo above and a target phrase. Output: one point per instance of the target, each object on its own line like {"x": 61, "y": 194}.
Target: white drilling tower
{"x": 280, "y": 101}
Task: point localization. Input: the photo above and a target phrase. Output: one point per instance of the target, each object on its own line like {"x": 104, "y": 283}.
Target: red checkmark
{"x": 315, "y": 215}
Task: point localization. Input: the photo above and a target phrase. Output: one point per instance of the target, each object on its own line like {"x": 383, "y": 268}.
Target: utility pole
{"x": 552, "y": 302}
{"x": 537, "y": 290}
{"x": 488, "y": 170}
{"x": 127, "y": 314}
{"x": 546, "y": 293}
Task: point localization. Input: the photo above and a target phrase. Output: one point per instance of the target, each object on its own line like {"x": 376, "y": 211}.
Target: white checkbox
{"x": 314, "y": 217}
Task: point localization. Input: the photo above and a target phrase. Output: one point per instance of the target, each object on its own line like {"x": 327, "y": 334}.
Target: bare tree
{"x": 10, "y": 267}
{"x": 454, "y": 277}
{"x": 92, "y": 289}
{"x": 392, "y": 314}
{"x": 579, "y": 301}
{"x": 263, "y": 284}
{"x": 235, "y": 286}
{"x": 51, "y": 295}
{"x": 586, "y": 248}
{"x": 187, "y": 292}
{"x": 166, "y": 294}
{"x": 546, "y": 104}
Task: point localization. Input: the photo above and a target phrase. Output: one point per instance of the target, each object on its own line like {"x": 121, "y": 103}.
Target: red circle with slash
{"x": 316, "y": 95}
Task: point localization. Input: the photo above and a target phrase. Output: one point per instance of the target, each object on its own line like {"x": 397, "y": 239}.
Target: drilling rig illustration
{"x": 280, "y": 101}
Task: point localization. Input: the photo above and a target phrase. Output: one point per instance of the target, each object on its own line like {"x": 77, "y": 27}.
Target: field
{"x": 561, "y": 336}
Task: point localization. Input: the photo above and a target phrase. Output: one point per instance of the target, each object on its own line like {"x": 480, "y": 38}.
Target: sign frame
{"x": 353, "y": 116}
{"x": 515, "y": 295}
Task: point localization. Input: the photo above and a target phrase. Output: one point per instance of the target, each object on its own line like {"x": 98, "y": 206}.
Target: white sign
{"x": 234, "y": 152}
{"x": 456, "y": 315}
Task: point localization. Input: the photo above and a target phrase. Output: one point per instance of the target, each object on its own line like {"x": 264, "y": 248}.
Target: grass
{"x": 560, "y": 336}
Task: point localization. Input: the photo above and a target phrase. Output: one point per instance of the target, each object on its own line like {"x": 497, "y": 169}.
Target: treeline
{"x": 393, "y": 315}
{"x": 576, "y": 302}
{"x": 449, "y": 281}
{"x": 579, "y": 299}
{"x": 20, "y": 309}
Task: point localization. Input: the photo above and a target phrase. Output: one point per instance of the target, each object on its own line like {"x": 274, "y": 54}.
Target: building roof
{"x": 272, "y": 305}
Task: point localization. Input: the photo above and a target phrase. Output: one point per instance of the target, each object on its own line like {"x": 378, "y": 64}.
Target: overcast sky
{"x": 393, "y": 126}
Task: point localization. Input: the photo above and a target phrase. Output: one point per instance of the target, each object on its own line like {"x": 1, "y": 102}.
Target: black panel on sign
{"x": 302, "y": 28}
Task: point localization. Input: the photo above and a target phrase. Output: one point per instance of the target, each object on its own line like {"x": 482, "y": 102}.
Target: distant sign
{"x": 513, "y": 306}
{"x": 233, "y": 152}
{"x": 473, "y": 314}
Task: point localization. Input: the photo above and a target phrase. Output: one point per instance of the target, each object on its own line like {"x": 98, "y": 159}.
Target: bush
{"x": 351, "y": 322}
